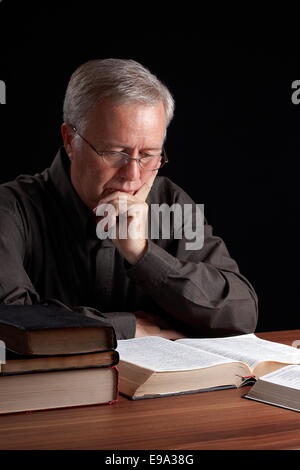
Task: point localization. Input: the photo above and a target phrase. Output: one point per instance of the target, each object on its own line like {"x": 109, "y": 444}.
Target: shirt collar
{"x": 79, "y": 215}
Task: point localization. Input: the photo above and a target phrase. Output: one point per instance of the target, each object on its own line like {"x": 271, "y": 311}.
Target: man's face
{"x": 131, "y": 128}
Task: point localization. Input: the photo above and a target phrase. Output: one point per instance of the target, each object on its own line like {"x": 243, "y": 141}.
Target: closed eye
{"x": 151, "y": 153}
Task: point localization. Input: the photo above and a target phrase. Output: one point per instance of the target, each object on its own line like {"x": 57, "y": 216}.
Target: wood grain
{"x": 211, "y": 420}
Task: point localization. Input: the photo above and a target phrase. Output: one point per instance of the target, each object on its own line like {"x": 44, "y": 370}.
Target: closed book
{"x": 43, "y": 330}
{"x": 19, "y": 364}
{"x": 58, "y": 389}
{"x": 280, "y": 388}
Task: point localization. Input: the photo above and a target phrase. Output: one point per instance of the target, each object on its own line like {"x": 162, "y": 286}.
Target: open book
{"x": 154, "y": 366}
{"x": 280, "y": 388}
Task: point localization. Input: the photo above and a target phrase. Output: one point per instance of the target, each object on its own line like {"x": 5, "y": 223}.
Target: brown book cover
{"x": 21, "y": 364}
{"x": 44, "y": 330}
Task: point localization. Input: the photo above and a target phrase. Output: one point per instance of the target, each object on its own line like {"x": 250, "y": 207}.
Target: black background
{"x": 233, "y": 144}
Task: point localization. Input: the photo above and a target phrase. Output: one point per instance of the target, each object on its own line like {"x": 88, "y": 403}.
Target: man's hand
{"x": 129, "y": 219}
{"x": 146, "y": 326}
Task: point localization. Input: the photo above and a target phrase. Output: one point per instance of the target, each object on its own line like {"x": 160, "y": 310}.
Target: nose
{"x": 131, "y": 171}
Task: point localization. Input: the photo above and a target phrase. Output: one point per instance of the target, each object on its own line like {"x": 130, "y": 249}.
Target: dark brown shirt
{"x": 49, "y": 250}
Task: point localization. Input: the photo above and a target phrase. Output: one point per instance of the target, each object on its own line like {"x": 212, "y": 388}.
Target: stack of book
{"x": 55, "y": 358}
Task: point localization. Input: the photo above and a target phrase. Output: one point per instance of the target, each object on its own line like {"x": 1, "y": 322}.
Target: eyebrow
{"x": 117, "y": 144}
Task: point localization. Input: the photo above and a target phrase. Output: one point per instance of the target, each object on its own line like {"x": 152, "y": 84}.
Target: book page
{"x": 159, "y": 354}
{"x": 246, "y": 348}
{"x": 289, "y": 376}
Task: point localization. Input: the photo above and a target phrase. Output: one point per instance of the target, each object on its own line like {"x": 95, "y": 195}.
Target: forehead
{"x": 108, "y": 119}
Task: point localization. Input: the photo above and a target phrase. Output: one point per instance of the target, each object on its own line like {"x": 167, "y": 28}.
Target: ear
{"x": 68, "y": 136}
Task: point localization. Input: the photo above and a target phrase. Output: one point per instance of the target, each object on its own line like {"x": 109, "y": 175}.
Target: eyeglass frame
{"x": 138, "y": 160}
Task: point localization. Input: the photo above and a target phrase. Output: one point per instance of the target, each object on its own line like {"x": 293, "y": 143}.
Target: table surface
{"x": 211, "y": 420}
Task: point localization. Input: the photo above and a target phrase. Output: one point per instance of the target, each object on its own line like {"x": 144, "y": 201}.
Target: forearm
{"x": 205, "y": 299}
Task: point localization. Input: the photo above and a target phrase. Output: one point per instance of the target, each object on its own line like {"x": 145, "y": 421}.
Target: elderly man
{"x": 116, "y": 114}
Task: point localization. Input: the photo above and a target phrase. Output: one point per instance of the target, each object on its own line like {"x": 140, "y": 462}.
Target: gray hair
{"x": 121, "y": 80}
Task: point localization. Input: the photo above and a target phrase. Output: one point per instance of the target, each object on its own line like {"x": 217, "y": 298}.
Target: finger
{"x": 144, "y": 190}
{"x": 116, "y": 198}
{"x": 110, "y": 198}
{"x": 107, "y": 209}
{"x": 117, "y": 207}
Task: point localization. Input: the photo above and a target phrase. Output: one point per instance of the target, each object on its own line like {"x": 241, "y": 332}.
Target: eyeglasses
{"x": 119, "y": 159}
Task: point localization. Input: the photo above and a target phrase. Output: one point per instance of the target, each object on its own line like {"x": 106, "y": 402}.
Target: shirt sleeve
{"x": 201, "y": 290}
{"x": 124, "y": 323}
{"x": 16, "y": 287}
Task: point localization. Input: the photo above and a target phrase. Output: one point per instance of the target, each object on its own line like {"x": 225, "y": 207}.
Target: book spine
{"x": 117, "y": 378}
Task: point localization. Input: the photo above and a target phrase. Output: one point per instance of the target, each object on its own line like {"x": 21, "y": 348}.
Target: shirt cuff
{"x": 153, "y": 267}
{"x": 123, "y": 323}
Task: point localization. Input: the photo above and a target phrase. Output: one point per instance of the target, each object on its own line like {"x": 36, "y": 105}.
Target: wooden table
{"x": 211, "y": 420}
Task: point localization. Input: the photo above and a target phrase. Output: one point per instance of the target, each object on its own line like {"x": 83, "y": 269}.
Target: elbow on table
{"x": 239, "y": 317}
{"x": 233, "y": 318}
